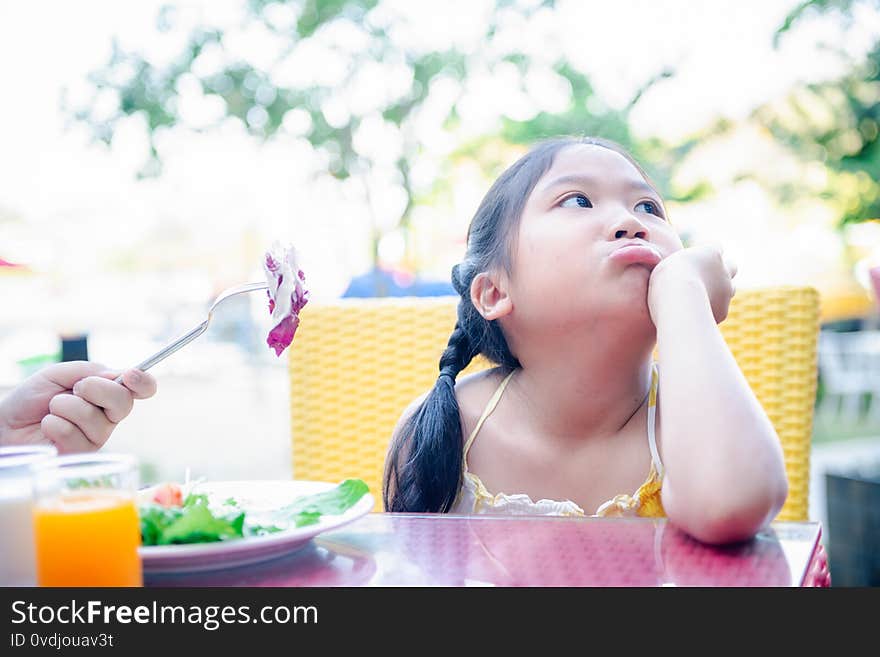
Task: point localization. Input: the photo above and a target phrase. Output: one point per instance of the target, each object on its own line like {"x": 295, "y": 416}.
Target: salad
{"x": 287, "y": 294}
{"x": 169, "y": 517}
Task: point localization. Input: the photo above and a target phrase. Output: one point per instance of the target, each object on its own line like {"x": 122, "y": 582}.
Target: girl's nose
{"x": 629, "y": 227}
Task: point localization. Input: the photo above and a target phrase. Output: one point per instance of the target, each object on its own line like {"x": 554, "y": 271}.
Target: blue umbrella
{"x": 385, "y": 283}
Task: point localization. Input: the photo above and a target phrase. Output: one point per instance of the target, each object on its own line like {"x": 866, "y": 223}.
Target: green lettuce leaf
{"x": 196, "y": 522}
{"x": 335, "y": 501}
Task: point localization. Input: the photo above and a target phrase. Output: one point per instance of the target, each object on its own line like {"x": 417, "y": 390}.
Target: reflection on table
{"x": 383, "y": 549}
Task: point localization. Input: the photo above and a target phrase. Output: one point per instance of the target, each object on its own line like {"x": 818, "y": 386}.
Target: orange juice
{"x": 88, "y": 538}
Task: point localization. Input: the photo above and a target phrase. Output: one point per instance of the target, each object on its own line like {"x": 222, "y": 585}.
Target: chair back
{"x": 356, "y": 364}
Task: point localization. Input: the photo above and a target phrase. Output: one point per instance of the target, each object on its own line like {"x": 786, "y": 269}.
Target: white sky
{"x": 80, "y": 202}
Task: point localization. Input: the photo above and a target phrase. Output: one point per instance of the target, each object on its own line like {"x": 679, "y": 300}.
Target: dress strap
{"x": 652, "y": 418}
{"x": 493, "y": 402}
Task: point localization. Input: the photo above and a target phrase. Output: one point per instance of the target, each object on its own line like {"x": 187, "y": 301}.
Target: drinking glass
{"x": 86, "y": 526}
{"x": 17, "y": 566}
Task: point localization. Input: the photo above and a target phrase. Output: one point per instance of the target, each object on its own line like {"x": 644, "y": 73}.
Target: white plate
{"x": 252, "y": 496}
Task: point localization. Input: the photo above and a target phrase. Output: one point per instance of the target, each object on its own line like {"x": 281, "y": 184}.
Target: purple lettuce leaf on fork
{"x": 287, "y": 295}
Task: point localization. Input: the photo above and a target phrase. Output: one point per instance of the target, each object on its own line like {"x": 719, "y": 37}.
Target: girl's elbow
{"x": 781, "y": 495}
{"x": 721, "y": 527}
{"x": 731, "y": 520}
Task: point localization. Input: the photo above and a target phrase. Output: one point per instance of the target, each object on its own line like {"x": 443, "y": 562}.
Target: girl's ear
{"x": 489, "y": 296}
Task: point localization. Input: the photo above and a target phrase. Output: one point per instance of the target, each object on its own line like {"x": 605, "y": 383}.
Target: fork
{"x": 195, "y": 332}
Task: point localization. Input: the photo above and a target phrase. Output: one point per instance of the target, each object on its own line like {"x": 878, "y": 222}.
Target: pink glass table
{"x": 384, "y": 549}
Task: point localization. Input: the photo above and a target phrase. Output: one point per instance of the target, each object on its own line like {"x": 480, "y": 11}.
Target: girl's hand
{"x": 699, "y": 267}
{"x": 74, "y": 405}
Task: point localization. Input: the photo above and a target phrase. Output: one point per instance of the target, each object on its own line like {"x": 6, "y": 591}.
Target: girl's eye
{"x": 576, "y": 200}
{"x": 650, "y": 208}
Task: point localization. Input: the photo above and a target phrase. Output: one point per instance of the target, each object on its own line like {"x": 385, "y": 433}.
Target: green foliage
{"x": 588, "y": 115}
{"x": 260, "y": 102}
{"x": 836, "y": 123}
{"x": 843, "y": 8}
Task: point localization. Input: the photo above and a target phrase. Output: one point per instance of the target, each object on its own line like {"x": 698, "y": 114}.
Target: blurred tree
{"x": 837, "y": 122}
{"x": 327, "y": 53}
{"x": 587, "y": 115}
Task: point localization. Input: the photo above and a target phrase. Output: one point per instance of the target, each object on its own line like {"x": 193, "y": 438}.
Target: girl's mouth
{"x": 636, "y": 254}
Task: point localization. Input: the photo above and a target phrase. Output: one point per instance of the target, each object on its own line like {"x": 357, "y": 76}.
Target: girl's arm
{"x": 725, "y": 474}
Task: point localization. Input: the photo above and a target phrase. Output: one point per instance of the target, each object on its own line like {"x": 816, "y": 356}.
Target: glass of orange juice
{"x": 86, "y": 527}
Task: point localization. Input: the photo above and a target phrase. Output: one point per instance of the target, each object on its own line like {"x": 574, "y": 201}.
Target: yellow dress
{"x": 474, "y": 498}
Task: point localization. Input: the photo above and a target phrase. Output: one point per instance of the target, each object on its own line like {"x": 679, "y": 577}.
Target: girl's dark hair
{"x": 424, "y": 467}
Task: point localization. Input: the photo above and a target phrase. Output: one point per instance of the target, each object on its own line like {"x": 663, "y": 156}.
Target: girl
{"x": 572, "y": 276}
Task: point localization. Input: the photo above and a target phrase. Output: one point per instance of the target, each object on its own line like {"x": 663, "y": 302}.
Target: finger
{"x": 141, "y": 384}
{"x": 114, "y": 399}
{"x": 88, "y": 418}
{"x": 731, "y": 266}
{"x": 67, "y": 373}
{"x": 65, "y": 435}
{"x": 714, "y": 247}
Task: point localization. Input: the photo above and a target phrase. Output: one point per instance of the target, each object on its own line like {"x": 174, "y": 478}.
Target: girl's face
{"x": 591, "y": 232}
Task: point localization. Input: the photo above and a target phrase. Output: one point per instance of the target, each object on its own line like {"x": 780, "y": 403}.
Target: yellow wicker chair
{"x": 357, "y": 363}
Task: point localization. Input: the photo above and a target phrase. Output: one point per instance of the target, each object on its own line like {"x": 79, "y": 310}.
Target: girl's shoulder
{"x": 477, "y": 383}
{"x": 473, "y": 393}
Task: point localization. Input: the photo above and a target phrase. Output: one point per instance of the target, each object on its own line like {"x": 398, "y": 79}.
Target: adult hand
{"x": 74, "y": 405}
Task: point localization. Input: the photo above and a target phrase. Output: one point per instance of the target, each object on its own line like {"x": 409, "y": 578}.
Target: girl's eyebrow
{"x": 586, "y": 181}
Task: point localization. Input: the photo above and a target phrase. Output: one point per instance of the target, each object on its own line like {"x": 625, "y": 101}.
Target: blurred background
{"x": 151, "y": 151}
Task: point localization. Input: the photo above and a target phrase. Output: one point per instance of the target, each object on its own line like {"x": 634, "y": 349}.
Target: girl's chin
{"x": 630, "y": 299}
{"x": 631, "y": 284}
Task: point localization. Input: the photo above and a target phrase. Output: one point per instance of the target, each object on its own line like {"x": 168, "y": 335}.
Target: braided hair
{"x": 425, "y": 461}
